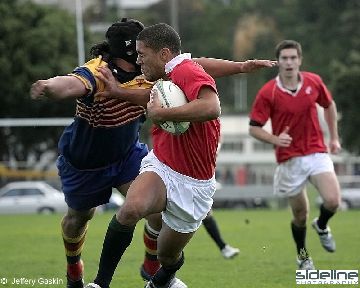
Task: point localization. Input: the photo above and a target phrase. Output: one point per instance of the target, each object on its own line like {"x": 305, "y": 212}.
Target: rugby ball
{"x": 170, "y": 96}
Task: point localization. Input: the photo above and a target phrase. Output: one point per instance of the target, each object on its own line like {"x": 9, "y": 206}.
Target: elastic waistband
{"x": 180, "y": 176}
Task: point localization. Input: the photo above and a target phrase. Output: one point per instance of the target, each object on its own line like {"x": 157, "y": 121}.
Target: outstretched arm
{"x": 59, "y": 87}
{"x": 220, "y": 68}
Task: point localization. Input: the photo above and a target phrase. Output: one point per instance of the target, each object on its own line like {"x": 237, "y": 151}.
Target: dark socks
{"x": 324, "y": 217}
{"x": 165, "y": 274}
{"x": 213, "y": 230}
{"x": 118, "y": 238}
{"x": 73, "y": 259}
{"x": 299, "y": 234}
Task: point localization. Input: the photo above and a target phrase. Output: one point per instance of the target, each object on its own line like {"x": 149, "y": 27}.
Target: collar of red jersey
{"x": 175, "y": 61}
{"x": 281, "y": 87}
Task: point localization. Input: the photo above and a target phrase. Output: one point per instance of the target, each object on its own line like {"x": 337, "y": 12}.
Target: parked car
{"x": 350, "y": 193}
{"x": 242, "y": 197}
{"x": 31, "y": 197}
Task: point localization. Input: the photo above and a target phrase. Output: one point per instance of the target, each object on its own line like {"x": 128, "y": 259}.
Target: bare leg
{"x": 170, "y": 247}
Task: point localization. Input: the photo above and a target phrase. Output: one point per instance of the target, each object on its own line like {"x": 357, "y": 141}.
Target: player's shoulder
{"x": 191, "y": 70}
{"x": 268, "y": 86}
{"x": 89, "y": 68}
{"x": 189, "y": 65}
{"x": 94, "y": 63}
{"x": 138, "y": 82}
{"x": 311, "y": 76}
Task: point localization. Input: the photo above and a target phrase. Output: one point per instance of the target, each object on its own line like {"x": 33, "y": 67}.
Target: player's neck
{"x": 290, "y": 82}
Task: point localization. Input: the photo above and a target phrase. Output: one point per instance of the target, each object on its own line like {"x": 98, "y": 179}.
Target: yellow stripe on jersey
{"x": 107, "y": 112}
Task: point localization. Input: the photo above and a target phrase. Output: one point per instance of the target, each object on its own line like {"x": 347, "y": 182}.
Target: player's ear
{"x": 165, "y": 54}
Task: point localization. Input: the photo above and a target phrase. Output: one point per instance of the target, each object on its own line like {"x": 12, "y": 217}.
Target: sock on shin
{"x": 118, "y": 237}
{"x": 151, "y": 263}
{"x": 324, "y": 217}
{"x": 299, "y": 235}
{"x": 165, "y": 274}
{"x": 73, "y": 248}
{"x": 213, "y": 230}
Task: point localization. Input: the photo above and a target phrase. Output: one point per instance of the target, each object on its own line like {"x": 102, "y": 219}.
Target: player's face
{"x": 289, "y": 62}
{"x": 152, "y": 65}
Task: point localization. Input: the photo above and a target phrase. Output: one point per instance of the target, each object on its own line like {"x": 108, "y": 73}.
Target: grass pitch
{"x": 31, "y": 248}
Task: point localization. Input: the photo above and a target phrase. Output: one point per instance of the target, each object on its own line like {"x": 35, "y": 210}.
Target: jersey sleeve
{"x": 191, "y": 78}
{"x": 325, "y": 98}
{"x": 261, "y": 108}
{"x": 87, "y": 74}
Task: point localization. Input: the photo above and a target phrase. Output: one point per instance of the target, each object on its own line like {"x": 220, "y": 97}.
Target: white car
{"x": 31, "y": 197}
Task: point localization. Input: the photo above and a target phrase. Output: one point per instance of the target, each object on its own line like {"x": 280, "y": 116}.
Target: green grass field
{"x": 31, "y": 247}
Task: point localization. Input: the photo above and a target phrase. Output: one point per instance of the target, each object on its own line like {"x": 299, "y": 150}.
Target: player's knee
{"x": 300, "y": 218}
{"x": 77, "y": 220}
{"x": 332, "y": 203}
{"x": 130, "y": 214}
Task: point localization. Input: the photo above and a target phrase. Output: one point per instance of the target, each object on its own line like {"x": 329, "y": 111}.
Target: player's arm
{"x": 59, "y": 87}
{"x": 283, "y": 139}
{"x": 112, "y": 90}
{"x": 330, "y": 114}
{"x": 205, "y": 107}
{"x": 220, "y": 68}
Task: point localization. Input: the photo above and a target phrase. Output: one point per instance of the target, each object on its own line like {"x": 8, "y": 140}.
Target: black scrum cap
{"x": 121, "y": 37}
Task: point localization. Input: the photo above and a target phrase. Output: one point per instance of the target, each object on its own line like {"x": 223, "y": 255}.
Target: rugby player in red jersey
{"x": 290, "y": 101}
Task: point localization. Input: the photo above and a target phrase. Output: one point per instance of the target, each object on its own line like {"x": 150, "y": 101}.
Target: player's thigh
{"x": 171, "y": 243}
{"x": 328, "y": 187}
{"x": 146, "y": 195}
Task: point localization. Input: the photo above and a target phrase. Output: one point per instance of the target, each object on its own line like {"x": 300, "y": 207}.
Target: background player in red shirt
{"x": 289, "y": 101}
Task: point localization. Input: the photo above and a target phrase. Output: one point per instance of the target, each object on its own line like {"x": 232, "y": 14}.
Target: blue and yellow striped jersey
{"x": 104, "y": 129}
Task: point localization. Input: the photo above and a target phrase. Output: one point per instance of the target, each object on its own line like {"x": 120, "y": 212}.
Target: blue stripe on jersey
{"x": 88, "y": 75}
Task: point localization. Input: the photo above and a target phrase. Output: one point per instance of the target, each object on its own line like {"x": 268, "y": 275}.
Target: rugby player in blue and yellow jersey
{"x": 100, "y": 149}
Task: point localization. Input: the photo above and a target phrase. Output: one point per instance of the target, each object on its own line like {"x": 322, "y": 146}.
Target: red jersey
{"x": 296, "y": 110}
{"x": 192, "y": 153}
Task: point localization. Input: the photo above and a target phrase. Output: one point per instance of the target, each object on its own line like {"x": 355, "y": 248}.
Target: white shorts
{"x": 291, "y": 176}
{"x": 188, "y": 199}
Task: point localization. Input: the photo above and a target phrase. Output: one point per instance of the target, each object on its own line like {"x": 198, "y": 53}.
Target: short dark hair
{"x": 288, "y": 44}
{"x": 160, "y": 36}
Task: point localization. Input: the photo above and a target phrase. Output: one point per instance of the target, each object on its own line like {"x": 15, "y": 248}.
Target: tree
{"x": 346, "y": 89}
{"x": 37, "y": 42}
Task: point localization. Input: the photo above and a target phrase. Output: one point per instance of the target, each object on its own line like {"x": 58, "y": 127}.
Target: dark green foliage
{"x": 37, "y": 42}
{"x": 346, "y": 91}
